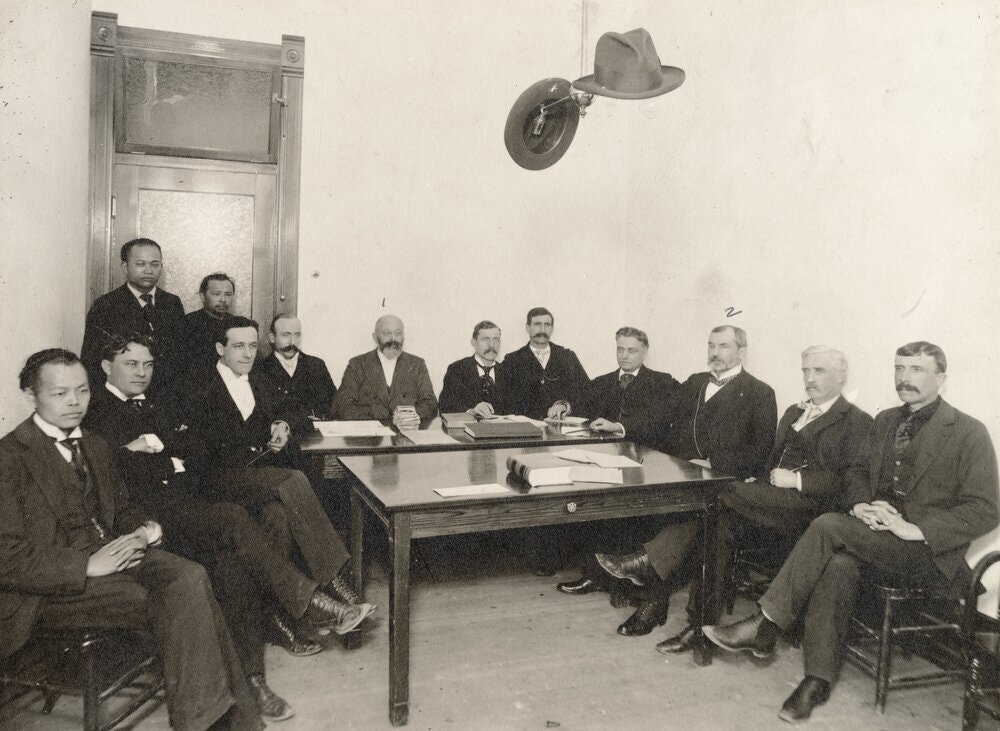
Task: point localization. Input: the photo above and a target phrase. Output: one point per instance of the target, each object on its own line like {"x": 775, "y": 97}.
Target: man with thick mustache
{"x": 300, "y": 385}
{"x": 478, "y": 384}
{"x": 377, "y": 383}
{"x": 724, "y": 418}
{"x": 549, "y": 378}
{"x": 931, "y": 489}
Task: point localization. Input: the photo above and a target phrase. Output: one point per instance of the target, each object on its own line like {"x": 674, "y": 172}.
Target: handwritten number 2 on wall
{"x": 732, "y": 312}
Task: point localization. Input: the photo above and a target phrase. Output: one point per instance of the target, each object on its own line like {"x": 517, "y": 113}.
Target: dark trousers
{"x": 752, "y": 513}
{"x": 204, "y": 531}
{"x": 170, "y": 597}
{"x": 820, "y": 578}
{"x": 285, "y": 505}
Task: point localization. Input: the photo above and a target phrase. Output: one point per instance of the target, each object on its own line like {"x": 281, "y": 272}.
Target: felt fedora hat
{"x": 626, "y": 67}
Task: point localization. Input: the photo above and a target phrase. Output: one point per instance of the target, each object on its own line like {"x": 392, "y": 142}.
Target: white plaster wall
{"x": 44, "y": 121}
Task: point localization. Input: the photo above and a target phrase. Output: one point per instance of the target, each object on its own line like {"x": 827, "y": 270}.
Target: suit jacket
{"x": 463, "y": 389}
{"x": 119, "y": 313}
{"x": 642, "y": 406}
{"x": 743, "y": 430}
{"x": 309, "y": 392}
{"x": 563, "y": 379}
{"x": 35, "y": 557}
{"x": 364, "y": 395}
{"x": 218, "y": 438}
{"x": 834, "y": 446}
{"x": 952, "y": 492}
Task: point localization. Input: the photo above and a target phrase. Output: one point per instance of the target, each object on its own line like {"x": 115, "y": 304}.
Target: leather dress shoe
{"x": 583, "y": 585}
{"x": 650, "y": 614}
{"x": 632, "y": 566}
{"x": 284, "y": 634}
{"x": 272, "y": 706}
{"x": 812, "y": 692}
{"x": 340, "y": 588}
{"x": 325, "y": 612}
{"x": 755, "y": 634}
{"x": 680, "y": 642}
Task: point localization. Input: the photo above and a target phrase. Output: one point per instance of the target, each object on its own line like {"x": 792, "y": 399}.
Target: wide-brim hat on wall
{"x": 626, "y": 66}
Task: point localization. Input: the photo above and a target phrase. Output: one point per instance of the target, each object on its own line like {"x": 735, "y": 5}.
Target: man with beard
{"x": 138, "y": 306}
{"x": 930, "y": 490}
{"x": 377, "y": 383}
{"x": 724, "y": 418}
{"x": 202, "y": 327}
{"x": 549, "y": 378}
{"x": 299, "y": 385}
{"x": 478, "y": 384}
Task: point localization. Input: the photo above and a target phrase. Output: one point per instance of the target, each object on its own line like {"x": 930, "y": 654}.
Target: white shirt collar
{"x": 121, "y": 396}
{"x": 228, "y": 374}
{"x": 54, "y": 431}
{"x": 540, "y": 351}
{"x": 622, "y": 371}
{"x": 289, "y": 364}
{"x": 388, "y": 365}
{"x": 483, "y": 364}
{"x": 825, "y": 406}
{"x": 138, "y": 295}
{"x": 735, "y": 370}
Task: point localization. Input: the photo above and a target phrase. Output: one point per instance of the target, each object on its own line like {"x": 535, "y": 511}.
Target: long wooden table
{"x": 398, "y": 489}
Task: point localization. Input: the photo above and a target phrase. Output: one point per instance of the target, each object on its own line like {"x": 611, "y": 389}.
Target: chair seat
{"x": 981, "y": 644}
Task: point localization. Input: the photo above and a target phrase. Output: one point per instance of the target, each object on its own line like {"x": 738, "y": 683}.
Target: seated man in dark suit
{"x": 138, "y": 306}
{"x": 201, "y": 327}
{"x": 725, "y": 419}
{"x": 549, "y": 378}
{"x": 222, "y": 536}
{"x": 820, "y": 443}
{"x": 377, "y": 383}
{"x": 74, "y": 553}
{"x": 242, "y": 453}
{"x": 630, "y": 401}
{"x": 299, "y": 385}
{"x": 931, "y": 490}
{"x": 478, "y": 384}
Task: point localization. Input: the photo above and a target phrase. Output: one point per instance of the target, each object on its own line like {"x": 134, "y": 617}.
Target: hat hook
{"x": 582, "y": 100}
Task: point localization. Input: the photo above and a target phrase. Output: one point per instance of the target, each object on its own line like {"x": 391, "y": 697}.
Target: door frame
{"x": 107, "y": 39}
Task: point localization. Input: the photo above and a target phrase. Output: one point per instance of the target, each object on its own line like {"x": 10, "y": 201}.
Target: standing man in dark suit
{"x": 377, "y": 383}
{"x": 222, "y": 536}
{"x": 549, "y": 378}
{"x": 201, "y": 327}
{"x": 930, "y": 491}
{"x": 724, "y": 418}
{"x": 478, "y": 384}
{"x": 299, "y": 385}
{"x": 74, "y": 553}
{"x": 243, "y": 453}
{"x": 821, "y": 443}
{"x": 139, "y": 306}
{"x": 631, "y": 401}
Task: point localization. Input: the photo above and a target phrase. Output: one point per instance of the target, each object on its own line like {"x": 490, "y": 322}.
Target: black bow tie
{"x": 137, "y": 403}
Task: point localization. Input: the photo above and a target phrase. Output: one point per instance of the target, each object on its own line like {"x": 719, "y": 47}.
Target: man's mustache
{"x": 904, "y": 386}
{"x": 290, "y": 348}
{"x": 490, "y": 350}
{"x": 398, "y": 344}
{"x": 544, "y": 335}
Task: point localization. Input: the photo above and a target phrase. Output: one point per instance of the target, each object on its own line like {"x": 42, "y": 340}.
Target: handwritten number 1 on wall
{"x": 732, "y": 312}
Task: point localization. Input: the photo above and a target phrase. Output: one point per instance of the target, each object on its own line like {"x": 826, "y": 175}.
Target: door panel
{"x": 205, "y": 221}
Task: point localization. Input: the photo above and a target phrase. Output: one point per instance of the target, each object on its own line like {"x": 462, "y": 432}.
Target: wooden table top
{"x": 316, "y": 443}
{"x": 407, "y": 481}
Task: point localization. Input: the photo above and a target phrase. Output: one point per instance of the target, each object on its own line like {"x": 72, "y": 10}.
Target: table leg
{"x": 708, "y": 609}
{"x": 357, "y": 543}
{"x": 399, "y": 620}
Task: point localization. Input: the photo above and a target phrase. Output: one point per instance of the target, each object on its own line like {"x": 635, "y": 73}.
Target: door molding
{"x": 107, "y": 39}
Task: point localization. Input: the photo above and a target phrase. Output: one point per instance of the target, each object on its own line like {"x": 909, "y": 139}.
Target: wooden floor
{"x": 495, "y": 647}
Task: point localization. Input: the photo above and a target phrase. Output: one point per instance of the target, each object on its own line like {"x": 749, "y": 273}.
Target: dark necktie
{"x": 486, "y": 384}
{"x": 137, "y": 403}
{"x": 720, "y": 382}
{"x": 625, "y": 379}
{"x": 79, "y": 464}
{"x": 904, "y": 434}
{"x": 148, "y": 309}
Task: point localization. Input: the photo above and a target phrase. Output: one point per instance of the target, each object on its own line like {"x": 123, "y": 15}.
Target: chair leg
{"x": 91, "y": 707}
{"x": 884, "y": 657}
{"x": 50, "y": 702}
{"x": 970, "y": 708}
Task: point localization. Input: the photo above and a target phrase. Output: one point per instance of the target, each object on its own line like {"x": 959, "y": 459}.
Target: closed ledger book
{"x": 457, "y": 420}
{"x": 502, "y": 430}
{"x": 545, "y": 468}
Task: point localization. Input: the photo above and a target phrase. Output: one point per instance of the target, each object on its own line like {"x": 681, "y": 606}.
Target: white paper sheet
{"x": 353, "y": 429}
{"x": 471, "y": 490}
{"x": 601, "y": 459}
{"x": 430, "y": 436}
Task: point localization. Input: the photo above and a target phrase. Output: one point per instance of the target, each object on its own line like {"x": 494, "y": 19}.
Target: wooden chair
{"x": 919, "y": 620}
{"x": 981, "y": 637}
{"x": 97, "y": 664}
